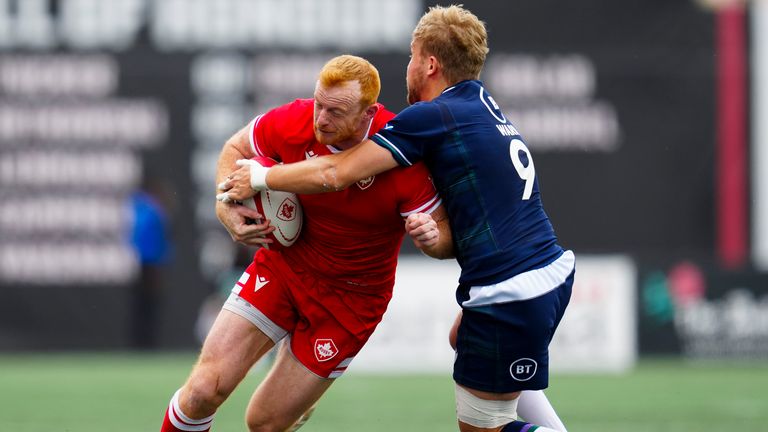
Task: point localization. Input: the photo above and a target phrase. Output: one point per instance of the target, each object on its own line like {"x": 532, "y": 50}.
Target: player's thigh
{"x": 484, "y": 411}
{"x": 286, "y": 393}
{"x": 504, "y": 348}
{"x": 231, "y": 348}
{"x": 452, "y": 335}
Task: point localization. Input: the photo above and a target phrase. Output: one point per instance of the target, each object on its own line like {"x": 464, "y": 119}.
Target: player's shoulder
{"x": 469, "y": 91}
{"x": 466, "y": 86}
{"x": 382, "y": 117}
{"x": 299, "y": 109}
{"x": 420, "y": 112}
{"x": 291, "y": 122}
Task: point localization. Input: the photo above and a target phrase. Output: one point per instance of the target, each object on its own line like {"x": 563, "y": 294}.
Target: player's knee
{"x": 206, "y": 391}
{"x": 260, "y": 427}
{"x": 258, "y": 423}
{"x": 476, "y": 414}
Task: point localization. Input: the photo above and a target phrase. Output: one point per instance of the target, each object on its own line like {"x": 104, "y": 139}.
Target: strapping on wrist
{"x": 258, "y": 177}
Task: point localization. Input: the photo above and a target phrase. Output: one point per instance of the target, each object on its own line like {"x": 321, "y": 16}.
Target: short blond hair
{"x": 345, "y": 68}
{"x": 457, "y": 38}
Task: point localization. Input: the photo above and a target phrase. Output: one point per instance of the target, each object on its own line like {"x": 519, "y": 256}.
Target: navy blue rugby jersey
{"x": 486, "y": 177}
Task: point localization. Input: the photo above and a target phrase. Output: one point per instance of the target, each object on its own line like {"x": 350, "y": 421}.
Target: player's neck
{"x": 435, "y": 88}
{"x": 362, "y": 133}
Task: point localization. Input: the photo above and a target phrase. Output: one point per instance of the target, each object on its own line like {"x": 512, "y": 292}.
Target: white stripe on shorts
{"x": 240, "y": 306}
{"x": 524, "y": 286}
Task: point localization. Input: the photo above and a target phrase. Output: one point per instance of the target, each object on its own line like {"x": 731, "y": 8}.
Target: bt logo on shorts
{"x": 523, "y": 369}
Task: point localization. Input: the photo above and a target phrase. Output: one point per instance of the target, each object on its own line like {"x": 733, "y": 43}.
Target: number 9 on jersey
{"x": 527, "y": 173}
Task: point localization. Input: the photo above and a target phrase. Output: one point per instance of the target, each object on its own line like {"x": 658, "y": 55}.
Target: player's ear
{"x": 371, "y": 111}
{"x": 433, "y": 65}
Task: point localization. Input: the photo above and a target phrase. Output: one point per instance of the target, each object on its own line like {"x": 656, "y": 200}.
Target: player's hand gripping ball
{"x": 283, "y": 209}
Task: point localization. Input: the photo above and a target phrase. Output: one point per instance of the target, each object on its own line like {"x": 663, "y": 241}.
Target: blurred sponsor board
{"x": 597, "y": 333}
{"x": 702, "y": 312}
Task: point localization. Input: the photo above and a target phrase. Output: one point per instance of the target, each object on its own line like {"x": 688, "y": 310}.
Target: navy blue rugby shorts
{"x": 504, "y": 348}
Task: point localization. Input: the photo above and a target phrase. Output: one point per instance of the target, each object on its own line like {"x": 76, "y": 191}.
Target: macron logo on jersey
{"x": 309, "y": 154}
{"x": 260, "y": 282}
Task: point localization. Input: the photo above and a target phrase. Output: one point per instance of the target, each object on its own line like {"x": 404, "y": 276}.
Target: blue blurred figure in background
{"x": 151, "y": 243}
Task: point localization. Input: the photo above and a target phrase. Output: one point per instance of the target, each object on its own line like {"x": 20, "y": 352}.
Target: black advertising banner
{"x": 688, "y": 308}
{"x": 616, "y": 100}
{"x": 112, "y": 115}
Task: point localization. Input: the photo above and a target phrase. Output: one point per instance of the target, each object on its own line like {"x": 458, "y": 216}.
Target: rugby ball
{"x": 283, "y": 210}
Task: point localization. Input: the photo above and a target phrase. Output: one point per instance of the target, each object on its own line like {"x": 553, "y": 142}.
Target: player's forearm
{"x": 314, "y": 175}
{"x": 333, "y": 172}
{"x": 236, "y": 147}
{"x": 226, "y": 163}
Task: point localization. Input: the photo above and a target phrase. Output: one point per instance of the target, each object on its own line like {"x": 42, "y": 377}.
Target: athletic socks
{"x": 518, "y": 426}
{"x": 534, "y": 407}
{"x": 176, "y": 421}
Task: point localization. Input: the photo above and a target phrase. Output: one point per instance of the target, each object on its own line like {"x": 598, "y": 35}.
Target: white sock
{"x": 534, "y": 407}
{"x": 183, "y": 423}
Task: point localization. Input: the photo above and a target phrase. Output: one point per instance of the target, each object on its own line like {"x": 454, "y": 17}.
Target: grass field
{"x": 129, "y": 393}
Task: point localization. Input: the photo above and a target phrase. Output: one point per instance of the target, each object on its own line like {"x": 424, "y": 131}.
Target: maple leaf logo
{"x": 325, "y": 349}
{"x": 366, "y": 182}
{"x": 287, "y": 210}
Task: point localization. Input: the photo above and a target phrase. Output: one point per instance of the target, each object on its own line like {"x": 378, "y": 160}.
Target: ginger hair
{"x": 344, "y": 68}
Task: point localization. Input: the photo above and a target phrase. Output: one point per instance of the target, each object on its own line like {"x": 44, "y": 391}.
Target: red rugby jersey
{"x": 352, "y": 236}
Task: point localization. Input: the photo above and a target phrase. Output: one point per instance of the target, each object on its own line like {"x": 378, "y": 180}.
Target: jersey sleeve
{"x": 381, "y": 118}
{"x": 412, "y": 134}
{"x": 269, "y": 132}
{"x": 417, "y": 193}
{"x": 261, "y": 135}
